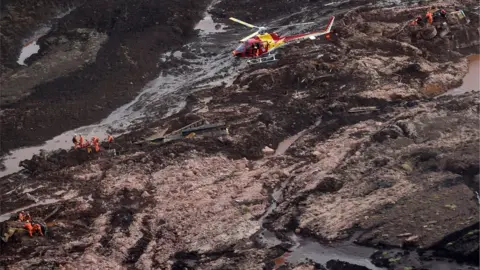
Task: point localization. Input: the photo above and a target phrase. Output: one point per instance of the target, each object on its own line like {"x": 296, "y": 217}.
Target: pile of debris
{"x": 200, "y": 128}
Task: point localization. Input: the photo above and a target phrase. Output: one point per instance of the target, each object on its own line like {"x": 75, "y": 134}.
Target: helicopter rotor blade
{"x": 249, "y": 36}
{"x": 244, "y": 23}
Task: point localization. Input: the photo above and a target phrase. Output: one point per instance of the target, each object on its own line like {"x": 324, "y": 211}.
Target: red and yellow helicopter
{"x": 260, "y": 46}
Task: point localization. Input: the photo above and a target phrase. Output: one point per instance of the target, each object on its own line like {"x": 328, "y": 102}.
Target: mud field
{"x": 346, "y": 154}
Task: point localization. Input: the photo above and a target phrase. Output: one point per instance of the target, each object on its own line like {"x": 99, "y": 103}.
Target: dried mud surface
{"x": 400, "y": 179}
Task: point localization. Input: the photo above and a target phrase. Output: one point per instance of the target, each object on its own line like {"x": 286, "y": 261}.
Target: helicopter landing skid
{"x": 264, "y": 59}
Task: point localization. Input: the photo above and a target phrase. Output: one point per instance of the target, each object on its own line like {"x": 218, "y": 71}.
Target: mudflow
{"x": 341, "y": 155}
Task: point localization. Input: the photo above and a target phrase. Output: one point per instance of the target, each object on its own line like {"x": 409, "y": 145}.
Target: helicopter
{"x": 260, "y": 46}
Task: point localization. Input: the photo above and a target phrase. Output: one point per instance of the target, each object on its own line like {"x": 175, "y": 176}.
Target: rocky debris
{"x": 461, "y": 245}
{"x": 268, "y": 151}
{"x": 154, "y": 231}
{"x": 412, "y": 239}
{"x": 390, "y": 186}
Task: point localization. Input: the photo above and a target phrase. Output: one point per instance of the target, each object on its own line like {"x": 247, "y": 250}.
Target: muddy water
{"x": 471, "y": 81}
{"x": 28, "y": 51}
{"x": 207, "y": 25}
{"x": 307, "y": 249}
{"x": 30, "y": 46}
{"x": 285, "y": 144}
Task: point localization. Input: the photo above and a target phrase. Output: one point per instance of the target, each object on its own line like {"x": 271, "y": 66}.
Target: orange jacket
{"x": 37, "y": 228}
{"x": 429, "y": 17}
{"x": 29, "y": 227}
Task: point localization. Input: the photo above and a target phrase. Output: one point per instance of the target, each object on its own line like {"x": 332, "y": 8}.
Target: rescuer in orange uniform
{"x": 21, "y": 216}
{"x": 37, "y": 228}
{"x": 81, "y": 141}
{"x": 95, "y": 142}
{"x": 418, "y": 21}
{"x": 110, "y": 141}
{"x": 429, "y": 17}
{"x": 33, "y": 228}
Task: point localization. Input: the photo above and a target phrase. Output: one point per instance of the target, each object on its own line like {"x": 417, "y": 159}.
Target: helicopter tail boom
{"x": 312, "y": 35}
{"x": 330, "y": 24}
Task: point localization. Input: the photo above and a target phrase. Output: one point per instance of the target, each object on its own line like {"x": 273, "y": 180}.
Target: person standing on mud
{"x": 81, "y": 141}
{"x": 21, "y": 216}
{"x": 110, "y": 141}
{"x": 75, "y": 141}
{"x": 94, "y": 139}
{"x": 95, "y": 142}
{"x": 88, "y": 146}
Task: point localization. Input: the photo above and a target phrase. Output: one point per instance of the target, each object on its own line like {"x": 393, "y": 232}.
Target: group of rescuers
{"x": 433, "y": 14}
{"x": 81, "y": 142}
{"x": 31, "y": 226}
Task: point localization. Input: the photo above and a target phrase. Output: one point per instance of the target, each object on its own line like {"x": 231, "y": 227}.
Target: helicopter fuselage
{"x": 263, "y": 44}
{"x": 258, "y": 45}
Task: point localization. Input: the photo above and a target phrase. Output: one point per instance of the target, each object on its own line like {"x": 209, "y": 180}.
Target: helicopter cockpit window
{"x": 240, "y": 48}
